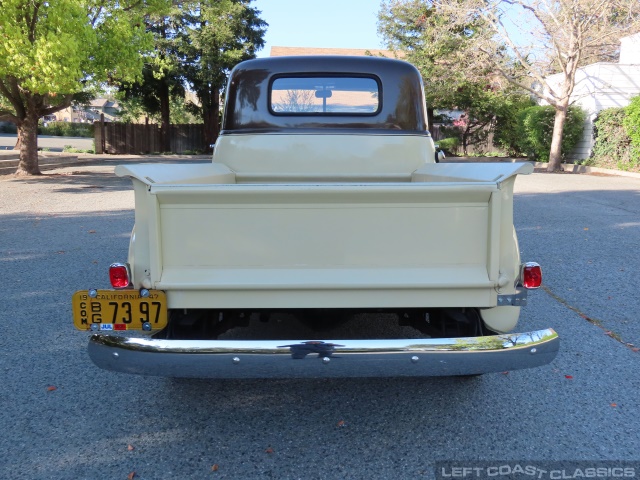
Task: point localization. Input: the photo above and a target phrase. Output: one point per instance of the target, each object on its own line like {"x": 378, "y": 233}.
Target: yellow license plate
{"x": 113, "y": 310}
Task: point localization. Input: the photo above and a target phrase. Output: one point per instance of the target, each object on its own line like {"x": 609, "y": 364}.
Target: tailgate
{"x": 426, "y": 243}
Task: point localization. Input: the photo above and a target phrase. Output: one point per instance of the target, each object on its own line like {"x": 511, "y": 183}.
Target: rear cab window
{"x": 325, "y": 95}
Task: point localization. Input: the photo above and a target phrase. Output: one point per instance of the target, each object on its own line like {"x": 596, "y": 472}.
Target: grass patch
{"x": 71, "y": 149}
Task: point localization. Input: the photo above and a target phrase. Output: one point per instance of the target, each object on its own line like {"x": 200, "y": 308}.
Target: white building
{"x": 605, "y": 85}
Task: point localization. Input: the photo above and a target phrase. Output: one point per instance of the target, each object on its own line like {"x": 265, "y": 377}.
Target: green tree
{"x": 443, "y": 52}
{"x": 197, "y": 43}
{"x": 162, "y": 82}
{"x": 52, "y": 50}
{"x": 133, "y": 110}
{"x": 456, "y": 77}
{"x": 482, "y": 105}
{"x": 152, "y": 97}
{"x": 218, "y": 34}
{"x": 560, "y": 36}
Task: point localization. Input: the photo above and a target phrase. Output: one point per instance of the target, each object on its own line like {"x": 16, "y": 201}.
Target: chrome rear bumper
{"x": 316, "y": 359}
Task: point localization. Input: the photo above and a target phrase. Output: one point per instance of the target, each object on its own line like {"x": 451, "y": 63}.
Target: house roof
{"x": 99, "y": 102}
{"x": 103, "y": 103}
{"x": 360, "y": 52}
{"x": 630, "y": 50}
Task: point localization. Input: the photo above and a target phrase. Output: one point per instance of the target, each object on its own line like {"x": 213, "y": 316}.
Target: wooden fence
{"x": 486, "y": 146}
{"x": 139, "y": 139}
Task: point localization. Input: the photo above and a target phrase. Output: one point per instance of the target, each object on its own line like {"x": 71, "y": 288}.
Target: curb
{"x": 566, "y": 167}
{"x": 571, "y": 168}
{"x": 9, "y": 165}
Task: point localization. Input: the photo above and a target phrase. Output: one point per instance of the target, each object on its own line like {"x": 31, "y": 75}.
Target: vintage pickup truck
{"x": 324, "y": 201}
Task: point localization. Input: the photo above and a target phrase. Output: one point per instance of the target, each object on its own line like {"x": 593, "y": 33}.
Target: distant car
{"x": 48, "y": 118}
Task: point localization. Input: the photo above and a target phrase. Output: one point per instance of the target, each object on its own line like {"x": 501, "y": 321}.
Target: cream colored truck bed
{"x": 440, "y": 237}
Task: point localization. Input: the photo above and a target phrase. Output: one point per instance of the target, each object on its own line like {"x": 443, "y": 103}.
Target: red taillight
{"x": 119, "y": 275}
{"x": 531, "y": 275}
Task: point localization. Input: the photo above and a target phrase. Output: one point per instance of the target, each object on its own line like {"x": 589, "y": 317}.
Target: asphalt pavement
{"x": 51, "y": 143}
{"x": 62, "y": 418}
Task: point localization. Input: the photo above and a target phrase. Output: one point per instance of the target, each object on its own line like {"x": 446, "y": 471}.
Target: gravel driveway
{"x": 64, "y": 419}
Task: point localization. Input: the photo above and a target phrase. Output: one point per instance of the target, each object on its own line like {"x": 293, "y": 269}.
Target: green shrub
{"x": 611, "y": 143}
{"x": 8, "y": 128}
{"x": 507, "y": 131}
{"x": 631, "y": 124}
{"x": 449, "y": 144}
{"x": 67, "y": 129}
{"x": 536, "y": 126}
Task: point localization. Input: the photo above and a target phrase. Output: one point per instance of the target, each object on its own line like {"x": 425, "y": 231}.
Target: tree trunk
{"x": 555, "y": 155}
{"x": 210, "y": 116}
{"x": 430, "y": 120}
{"x": 18, "y": 145}
{"x": 165, "y": 114}
{"x": 28, "y": 135}
{"x": 465, "y": 141}
{"x": 216, "y": 113}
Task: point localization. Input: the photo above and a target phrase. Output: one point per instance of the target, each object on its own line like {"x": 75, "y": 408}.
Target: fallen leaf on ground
{"x": 505, "y": 373}
{"x": 131, "y": 448}
{"x": 636, "y": 349}
{"x": 92, "y": 231}
{"x": 342, "y": 423}
{"x": 568, "y": 376}
{"x": 131, "y": 476}
{"x": 269, "y": 450}
{"x": 51, "y": 388}
{"x": 215, "y": 468}
{"x": 614, "y": 404}
{"x": 586, "y": 229}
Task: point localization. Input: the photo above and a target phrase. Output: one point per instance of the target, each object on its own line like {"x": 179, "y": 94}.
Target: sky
{"x": 326, "y": 24}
